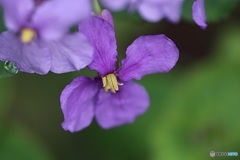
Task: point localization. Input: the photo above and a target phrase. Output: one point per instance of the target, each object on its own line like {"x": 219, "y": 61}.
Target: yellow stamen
{"x": 27, "y": 35}
{"x": 110, "y": 82}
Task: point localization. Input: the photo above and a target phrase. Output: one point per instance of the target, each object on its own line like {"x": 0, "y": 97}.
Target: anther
{"x": 110, "y": 82}
{"x": 27, "y": 35}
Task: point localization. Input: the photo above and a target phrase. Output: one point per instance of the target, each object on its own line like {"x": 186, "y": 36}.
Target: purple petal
{"x": 54, "y": 18}
{"x": 102, "y": 36}
{"x": 114, "y": 109}
{"x": 31, "y": 58}
{"x": 73, "y": 52}
{"x": 78, "y": 103}
{"x": 198, "y": 13}
{"x": 106, "y": 15}
{"x": 147, "y": 55}
{"x": 116, "y": 5}
{"x": 16, "y": 13}
{"x": 155, "y": 10}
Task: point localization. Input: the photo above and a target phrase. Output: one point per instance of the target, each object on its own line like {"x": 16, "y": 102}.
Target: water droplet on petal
{"x": 10, "y": 67}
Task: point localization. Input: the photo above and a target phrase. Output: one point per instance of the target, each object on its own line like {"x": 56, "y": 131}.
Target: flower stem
{"x": 96, "y": 7}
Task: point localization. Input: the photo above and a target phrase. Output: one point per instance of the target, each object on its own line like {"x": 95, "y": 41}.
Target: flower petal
{"x": 116, "y": 5}
{"x": 78, "y": 103}
{"x": 16, "y": 13}
{"x": 147, "y": 55}
{"x": 54, "y": 18}
{"x": 155, "y": 10}
{"x": 102, "y": 36}
{"x": 72, "y": 52}
{"x": 106, "y": 15}
{"x": 150, "y": 12}
{"x": 198, "y": 13}
{"x": 31, "y": 58}
{"x": 114, "y": 109}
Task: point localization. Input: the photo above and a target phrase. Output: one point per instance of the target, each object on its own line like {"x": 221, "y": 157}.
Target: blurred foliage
{"x": 216, "y": 10}
{"x": 18, "y": 144}
{"x": 203, "y": 113}
{"x": 6, "y": 92}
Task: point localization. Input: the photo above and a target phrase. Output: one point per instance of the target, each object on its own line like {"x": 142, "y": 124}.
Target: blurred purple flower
{"x": 85, "y": 97}
{"x": 150, "y": 10}
{"x": 49, "y": 19}
{"x": 37, "y": 39}
{"x": 198, "y": 13}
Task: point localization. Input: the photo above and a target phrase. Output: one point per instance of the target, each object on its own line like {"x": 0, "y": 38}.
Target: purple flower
{"x": 198, "y": 13}
{"x": 85, "y": 98}
{"x": 150, "y": 10}
{"x": 48, "y": 19}
{"x": 37, "y": 39}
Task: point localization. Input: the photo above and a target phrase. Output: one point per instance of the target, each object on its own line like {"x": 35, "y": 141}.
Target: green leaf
{"x": 17, "y": 143}
{"x": 216, "y": 10}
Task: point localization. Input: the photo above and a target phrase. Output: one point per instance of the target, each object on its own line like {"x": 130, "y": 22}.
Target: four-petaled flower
{"x": 112, "y": 97}
{"x": 37, "y": 40}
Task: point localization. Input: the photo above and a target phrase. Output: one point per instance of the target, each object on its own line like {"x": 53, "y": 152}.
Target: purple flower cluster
{"x": 38, "y": 40}
{"x": 150, "y": 10}
{"x": 155, "y": 10}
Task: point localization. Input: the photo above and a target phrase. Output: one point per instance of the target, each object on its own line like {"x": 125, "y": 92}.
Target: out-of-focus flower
{"x": 44, "y": 18}
{"x": 150, "y": 10}
{"x": 85, "y": 98}
{"x": 37, "y": 39}
{"x": 198, "y": 13}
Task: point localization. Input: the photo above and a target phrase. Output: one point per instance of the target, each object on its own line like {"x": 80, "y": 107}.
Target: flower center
{"x": 110, "y": 82}
{"x": 27, "y": 35}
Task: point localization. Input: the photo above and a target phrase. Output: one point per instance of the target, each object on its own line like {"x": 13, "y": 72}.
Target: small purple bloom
{"x": 37, "y": 39}
{"x": 49, "y": 19}
{"x": 85, "y": 98}
{"x": 150, "y": 10}
{"x": 198, "y": 13}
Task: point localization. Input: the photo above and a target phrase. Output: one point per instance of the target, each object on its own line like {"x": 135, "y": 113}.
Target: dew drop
{"x": 10, "y": 67}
